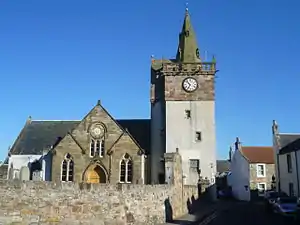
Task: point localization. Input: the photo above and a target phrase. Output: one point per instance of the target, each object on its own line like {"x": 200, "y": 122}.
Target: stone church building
{"x": 102, "y": 149}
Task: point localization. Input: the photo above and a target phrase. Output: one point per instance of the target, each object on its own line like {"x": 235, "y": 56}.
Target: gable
{"x": 258, "y": 154}
{"x": 99, "y": 115}
{"x": 39, "y": 135}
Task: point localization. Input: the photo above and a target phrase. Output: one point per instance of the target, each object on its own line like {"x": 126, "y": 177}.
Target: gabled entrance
{"x": 95, "y": 174}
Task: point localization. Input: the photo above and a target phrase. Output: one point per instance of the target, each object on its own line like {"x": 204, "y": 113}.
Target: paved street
{"x": 247, "y": 214}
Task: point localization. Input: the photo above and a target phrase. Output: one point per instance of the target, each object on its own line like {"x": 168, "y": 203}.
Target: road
{"x": 247, "y": 214}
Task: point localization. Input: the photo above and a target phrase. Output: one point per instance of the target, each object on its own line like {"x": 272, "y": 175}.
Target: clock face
{"x": 190, "y": 84}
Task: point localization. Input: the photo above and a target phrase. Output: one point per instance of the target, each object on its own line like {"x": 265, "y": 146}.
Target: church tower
{"x": 183, "y": 110}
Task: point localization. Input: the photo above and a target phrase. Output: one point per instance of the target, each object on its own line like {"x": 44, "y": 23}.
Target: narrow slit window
{"x": 188, "y": 113}
{"x": 92, "y": 148}
{"x": 102, "y": 148}
{"x": 198, "y": 136}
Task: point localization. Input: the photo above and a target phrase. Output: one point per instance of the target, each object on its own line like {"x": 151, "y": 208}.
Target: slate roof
{"x": 140, "y": 130}
{"x": 286, "y": 139}
{"x": 258, "y": 154}
{"x": 291, "y": 147}
{"x": 223, "y": 166}
{"x": 38, "y": 135}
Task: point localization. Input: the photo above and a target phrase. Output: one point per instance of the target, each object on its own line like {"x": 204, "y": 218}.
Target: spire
{"x": 188, "y": 51}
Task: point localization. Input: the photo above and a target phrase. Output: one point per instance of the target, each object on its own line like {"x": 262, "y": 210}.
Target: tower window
{"x": 188, "y": 113}
{"x": 198, "y": 136}
{"x": 187, "y": 33}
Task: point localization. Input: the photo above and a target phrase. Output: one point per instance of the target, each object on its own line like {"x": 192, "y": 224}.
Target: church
{"x": 101, "y": 149}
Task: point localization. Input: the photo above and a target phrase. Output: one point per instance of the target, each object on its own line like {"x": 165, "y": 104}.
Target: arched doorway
{"x": 95, "y": 174}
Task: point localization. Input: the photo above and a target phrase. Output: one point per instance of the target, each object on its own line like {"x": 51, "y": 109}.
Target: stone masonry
{"x": 117, "y": 143}
{"x": 73, "y": 203}
{"x": 254, "y": 180}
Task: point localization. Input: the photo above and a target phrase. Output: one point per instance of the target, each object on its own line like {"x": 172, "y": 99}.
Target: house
{"x": 287, "y": 158}
{"x": 252, "y": 169}
{"x": 223, "y": 169}
{"x": 102, "y": 149}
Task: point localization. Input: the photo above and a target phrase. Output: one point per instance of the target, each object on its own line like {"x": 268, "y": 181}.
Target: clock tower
{"x": 183, "y": 111}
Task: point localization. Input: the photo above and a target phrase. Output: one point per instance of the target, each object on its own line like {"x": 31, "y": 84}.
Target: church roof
{"x": 38, "y": 135}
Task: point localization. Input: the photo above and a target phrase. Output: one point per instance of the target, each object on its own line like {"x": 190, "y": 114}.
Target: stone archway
{"x": 95, "y": 174}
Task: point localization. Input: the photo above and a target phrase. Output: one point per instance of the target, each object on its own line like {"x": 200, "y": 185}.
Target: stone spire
{"x": 188, "y": 51}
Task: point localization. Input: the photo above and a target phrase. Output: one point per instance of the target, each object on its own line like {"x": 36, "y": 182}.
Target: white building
{"x": 252, "y": 170}
{"x": 287, "y": 160}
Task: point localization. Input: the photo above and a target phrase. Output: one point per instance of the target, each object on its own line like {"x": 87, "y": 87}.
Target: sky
{"x": 57, "y": 58}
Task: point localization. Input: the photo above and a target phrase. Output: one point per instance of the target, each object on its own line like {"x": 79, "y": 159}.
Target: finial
{"x": 186, "y": 6}
{"x": 152, "y": 58}
{"x": 99, "y": 102}
{"x": 214, "y": 59}
{"x": 29, "y": 119}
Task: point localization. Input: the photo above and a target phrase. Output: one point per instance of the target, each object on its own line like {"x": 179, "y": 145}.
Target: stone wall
{"x": 40, "y": 202}
{"x": 71, "y": 203}
{"x": 254, "y": 180}
{"x": 3, "y": 171}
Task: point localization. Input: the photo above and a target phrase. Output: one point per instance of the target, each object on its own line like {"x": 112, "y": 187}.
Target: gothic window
{"x": 126, "y": 169}
{"x": 67, "y": 169}
{"x": 97, "y": 148}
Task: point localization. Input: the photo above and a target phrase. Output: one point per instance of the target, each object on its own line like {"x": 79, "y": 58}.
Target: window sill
{"x": 261, "y": 176}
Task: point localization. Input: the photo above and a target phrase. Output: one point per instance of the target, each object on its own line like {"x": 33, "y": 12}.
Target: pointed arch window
{"x": 126, "y": 169}
{"x": 97, "y": 148}
{"x": 67, "y": 169}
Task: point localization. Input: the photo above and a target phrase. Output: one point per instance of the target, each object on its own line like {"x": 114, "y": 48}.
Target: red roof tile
{"x": 258, "y": 154}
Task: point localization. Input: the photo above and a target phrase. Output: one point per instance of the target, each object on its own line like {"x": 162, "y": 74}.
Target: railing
{"x": 209, "y": 67}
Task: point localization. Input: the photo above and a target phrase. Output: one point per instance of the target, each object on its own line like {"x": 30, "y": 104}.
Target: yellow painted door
{"x": 93, "y": 177}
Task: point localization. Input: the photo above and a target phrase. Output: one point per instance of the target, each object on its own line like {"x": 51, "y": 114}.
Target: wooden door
{"x": 93, "y": 176}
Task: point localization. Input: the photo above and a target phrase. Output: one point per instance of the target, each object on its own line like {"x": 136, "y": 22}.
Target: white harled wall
{"x": 181, "y": 133}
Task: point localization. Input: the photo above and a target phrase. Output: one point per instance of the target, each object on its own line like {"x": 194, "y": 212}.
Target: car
{"x": 285, "y": 206}
{"x": 270, "y": 199}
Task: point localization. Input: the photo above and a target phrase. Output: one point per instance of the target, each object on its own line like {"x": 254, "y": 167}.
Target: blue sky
{"x": 58, "y": 57}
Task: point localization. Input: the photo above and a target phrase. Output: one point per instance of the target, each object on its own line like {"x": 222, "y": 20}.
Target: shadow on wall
{"x": 168, "y": 211}
{"x": 193, "y": 204}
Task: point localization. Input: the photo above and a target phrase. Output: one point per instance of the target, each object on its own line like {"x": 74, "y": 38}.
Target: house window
{"x": 261, "y": 170}
{"x": 97, "y": 148}
{"x": 261, "y": 187}
{"x": 126, "y": 169}
{"x": 289, "y": 163}
{"x": 198, "y": 136}
{"x": 67, "y": 168}
{"x": 291, "y": 189}
{"x": 194, "y": 163}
